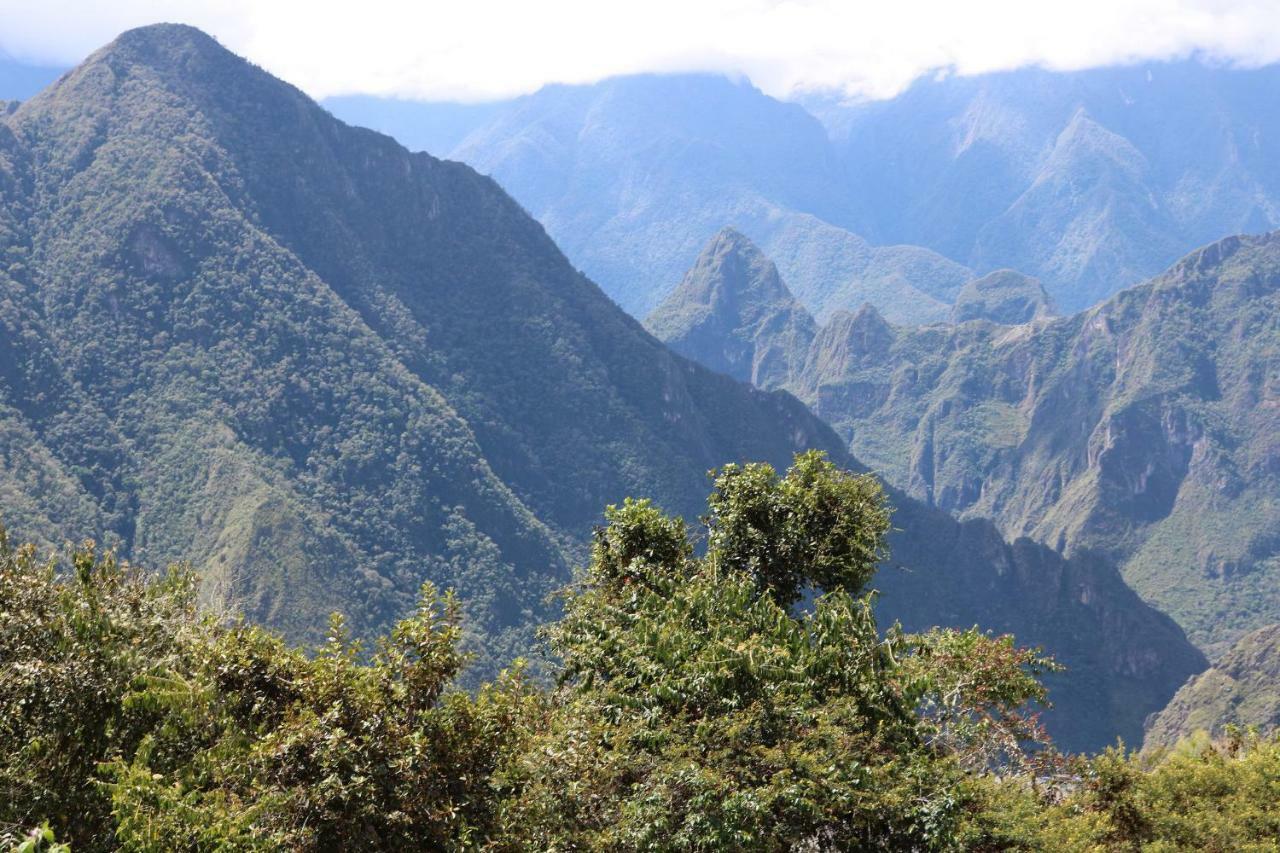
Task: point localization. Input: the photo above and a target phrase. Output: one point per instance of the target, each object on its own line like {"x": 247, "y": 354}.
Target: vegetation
{"x": 696, "y": 706}
{"x": 1241, "y": 691}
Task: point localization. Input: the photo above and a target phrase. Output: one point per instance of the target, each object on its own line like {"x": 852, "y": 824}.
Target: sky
{"x": 485, "y": 49}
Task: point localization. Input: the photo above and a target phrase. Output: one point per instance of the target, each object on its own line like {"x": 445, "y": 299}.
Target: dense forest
{"x": 701, "y": 701}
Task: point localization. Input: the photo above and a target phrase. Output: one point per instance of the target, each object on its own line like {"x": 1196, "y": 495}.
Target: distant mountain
{"x": 733, "y": 314}
{"x": 631, "y": 176}
{"x": 1004, "y": 296}
{"x": 20, "y": 80}
{"x": 433, "y": 127}
{"x": 1144, "y": 429}
{"x": 1091, "y": 180}
{"x": 1241, "y": 689}
{"x": 324, "y": 369}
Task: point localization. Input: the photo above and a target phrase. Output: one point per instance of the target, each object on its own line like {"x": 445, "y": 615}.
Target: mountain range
{"x": 1089, "y": 181}
{"x": 324, "y": 369}
{"x": 632, "y": 175}
{"x": 1143, "y": 430}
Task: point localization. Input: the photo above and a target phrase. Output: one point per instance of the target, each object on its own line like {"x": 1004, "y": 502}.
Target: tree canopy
{"x": 724, "y": 687}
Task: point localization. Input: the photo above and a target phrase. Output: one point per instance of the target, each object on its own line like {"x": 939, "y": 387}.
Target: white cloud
{"x": 474, "y": 49}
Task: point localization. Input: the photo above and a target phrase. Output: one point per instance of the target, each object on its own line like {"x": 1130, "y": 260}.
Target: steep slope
{"x": 732, "y": 313}
{"x": 1090, "y": 180}
{"x": 1241, "y": 689}
{"x": 321, "y": 368}
{"x": 1144, "y": 429}
{"x": 633, "y": 175}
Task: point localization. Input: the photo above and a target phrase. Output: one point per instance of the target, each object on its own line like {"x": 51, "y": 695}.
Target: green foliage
{"x": 971, "y": 692}
{"x": 130, "y": 722}
{"x": 817, "y": 526}
{"x": 1210, "y": 796}
{"x": 697, "y": 708}
{"x": 41, "y": 839}
{"x": 73, "y": 649}
{"x": 698, "y": 711}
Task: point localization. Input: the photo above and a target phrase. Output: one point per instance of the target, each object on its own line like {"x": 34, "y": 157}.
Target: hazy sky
{"x": 475, "y": 49}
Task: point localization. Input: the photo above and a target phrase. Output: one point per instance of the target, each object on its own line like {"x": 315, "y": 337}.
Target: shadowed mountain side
{"x": 1120, "y": 653}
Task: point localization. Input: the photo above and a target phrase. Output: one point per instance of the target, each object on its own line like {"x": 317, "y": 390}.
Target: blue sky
{"x": 479, "y": 49}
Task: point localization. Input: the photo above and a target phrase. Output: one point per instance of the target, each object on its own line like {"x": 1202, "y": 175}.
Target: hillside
{"x": 1241, "y": 689}
{"x": 1143, "y": 429}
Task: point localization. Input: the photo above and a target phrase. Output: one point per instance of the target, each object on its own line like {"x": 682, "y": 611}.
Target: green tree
{"x": 699, "y": 711}
{"x": 73, "y": 646}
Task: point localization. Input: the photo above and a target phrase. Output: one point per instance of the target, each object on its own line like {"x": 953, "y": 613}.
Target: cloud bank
{"x": 481, "y": 49}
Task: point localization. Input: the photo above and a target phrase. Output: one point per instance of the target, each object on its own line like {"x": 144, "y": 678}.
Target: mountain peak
{"x": 164, "y": 34}
{"x": 162, "y": 46}
{"x": 307, "y": 281}
{"x": 868, "y": 325}
{"x": 732, "y": 312}
{"x": 1005, "y": 296}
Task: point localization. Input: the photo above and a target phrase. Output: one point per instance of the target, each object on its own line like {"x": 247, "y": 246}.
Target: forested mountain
{"x": 324, "y": 369}
{"x": 1144, "y": 429}
{"x": 1241, "y": 689}
{"x": 1091, "y": 180}
{"x": 319, "y": 367}
{"x": 633, "y": 175}
{"x": 732, "y": 313}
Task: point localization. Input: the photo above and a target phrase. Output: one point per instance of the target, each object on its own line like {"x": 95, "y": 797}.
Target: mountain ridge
{"x": 1141, "y": 428}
